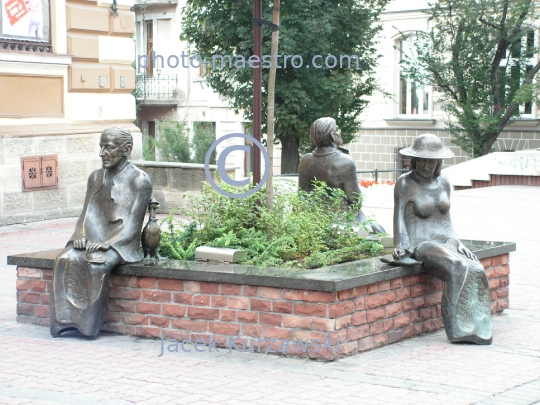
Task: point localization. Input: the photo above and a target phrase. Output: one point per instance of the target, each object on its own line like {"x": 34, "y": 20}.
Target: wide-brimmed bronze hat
{"x": 428, "y": 146}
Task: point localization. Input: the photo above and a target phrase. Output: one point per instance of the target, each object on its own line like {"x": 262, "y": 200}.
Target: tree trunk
{"x": 289, "y": 154}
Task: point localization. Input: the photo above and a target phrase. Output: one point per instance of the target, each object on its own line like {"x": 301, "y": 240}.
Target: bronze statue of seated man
{"x": 108, "y": 233}
{"x": 326, "y": 163}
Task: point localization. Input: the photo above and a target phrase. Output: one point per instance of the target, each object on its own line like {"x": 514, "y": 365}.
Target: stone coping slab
{"x": 334, "y": 278}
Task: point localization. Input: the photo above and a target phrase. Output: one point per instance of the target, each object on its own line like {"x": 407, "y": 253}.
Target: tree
{"x": 478, "y": 55}
{"x": 307, "y": 28}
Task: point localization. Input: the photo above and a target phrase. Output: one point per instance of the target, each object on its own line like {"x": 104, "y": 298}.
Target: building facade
{"x": 391, "y": 124}
{"x": 65, "y": 75}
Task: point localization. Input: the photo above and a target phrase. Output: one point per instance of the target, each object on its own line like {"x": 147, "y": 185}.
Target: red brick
{"x": 323, "y": 324}
{"x": 502, "y": 293}
{"x": 501, "y": 271}
{"x": 341, "y": 308}
{"x": 378, "y": 300}
{"x": 203, "y": 313}
{"x": 387, "y": 324}
{"x": 418, "y": 303}
{"x": 113, "y": 317}
{"x": 310, "y": 309}
{"x": 318, "y": 296}
{"x": 27, "y": 272}
{"x": 493, "y": 295}
{"x": 135, "y": 319}
{"x": 122, "y": 281}
{"x": 156, "y": 296}
{"x": 406, "y": 305}
{"x": 375, "y": 328}
{"x": 359, "y": 303}
{"x": 365, "y": 344}
{"x": 402, "y": 294}
{"x": 380, "y": 340}
{"x": 414, "y": 316}
{"x": 252, "y": 330}
{"x": 183, "y": 298}
{"x": 494, "y": 306}
{"x": 47, "y": 274}
{"x": 343, "y": 322}
{"x": 187, "y": 324}
{"x": 295, "y": 295}
{"x": 170, "y": 285}
{"x": 425, "y": 314}
{"x": 147, "y": 331}
{"x": 228, "y": 315}
{"x": 45, "y": 298}
{"x": 125, "y": 293}
{"x": 197, "y": 336}
{"x": 351, "y": 293}
{"x": 261, "y": 305}
{"x": 306, "y": 334}
{"x": 418, "y": 290}
{"x": 409, "y": 331}
{"x": 424, "y": 277}
{"x": 31, "y": 285}
{"x": 396, "y": 283}
{"x": 283, "y": 307}
{"x": 384, "y": 286}
{"x": 248, "y": 316}
{"x": 25, "y": 309}
{"x": 231, "y": 289}
{"x": 117, "y": 328}
{"x": 158, "y": 321}
{"x": 497, "y": 261}
{"x": 291, "y": 321}
{"x": 270, "y": 292}
{"x": 502, "y": 305}
{"x": 432, "y": 325}
{"x": 225, "y": 328}
{"x": 192, "y": 286}
{"x": 504, "y": 281}
{"x": 277, "y": 333}
{"x": 121, "y": 306}
{"x": 270, "y": 319}
{"x": 239, "y": 303}
{"x": 410, "y": 280}
{"x": 393, "y": 309}
{"x": 148, "y": 308}
{"x": 418, "y": 329}
{"x": 486, "y": 262}
{"x": 402, "y": 320}
{"x": 437, "y": 285}
{"x": 173, "y": 310}
{"x": 144, "y": 282}
{"x": 358, "y": 332}
{"x": 42, "y": 311}
{"x": 201, "y": 300}
{"x": 433, "y": 299}
{"x": 28, "y": 297}
{"x": 219, "y": 302}
{"x": 250, "y": 291}
{"x": 209, "y": 288}
{"x": 373, "y": 288}
{"x": 173, "y": 334}
{"x": 375, "y": 314}
{"x": 359, "y": 318}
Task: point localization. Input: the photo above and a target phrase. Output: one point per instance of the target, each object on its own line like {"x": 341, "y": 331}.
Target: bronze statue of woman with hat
{"x": 423, "y": 231}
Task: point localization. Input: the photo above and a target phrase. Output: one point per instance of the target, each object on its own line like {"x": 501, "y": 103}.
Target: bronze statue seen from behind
{"x": 328, "y": 164}
{"x": 107, "y": 234}
{"x": 423, "y": 231}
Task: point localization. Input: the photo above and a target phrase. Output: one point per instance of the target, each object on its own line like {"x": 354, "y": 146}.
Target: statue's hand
{"x": 80, "y": 243}
{"x": 399, "y": 252}
{"x": 94, "y": 247}
{"x": 464, "y": 251}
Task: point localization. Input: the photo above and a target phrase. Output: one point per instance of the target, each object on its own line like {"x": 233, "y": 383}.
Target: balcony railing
{"x": 155, "y": 87}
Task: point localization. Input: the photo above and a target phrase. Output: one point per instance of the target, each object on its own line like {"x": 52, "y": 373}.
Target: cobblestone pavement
{"x": 118, "y": 370}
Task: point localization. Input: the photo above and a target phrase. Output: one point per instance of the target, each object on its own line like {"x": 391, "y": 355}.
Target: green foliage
{"x": 303, "y": 230}
{"x": 478, "y": 55}
{"x": 307, "y": 28}
{"x": 204, "y": 135}
{"x": 172, "y": 142}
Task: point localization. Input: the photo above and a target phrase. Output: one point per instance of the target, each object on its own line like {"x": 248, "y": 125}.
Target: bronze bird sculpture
{"x": 151, "y": 234}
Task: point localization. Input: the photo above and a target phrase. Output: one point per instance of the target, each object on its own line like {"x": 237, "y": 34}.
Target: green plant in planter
{"x": 303, "y": 230}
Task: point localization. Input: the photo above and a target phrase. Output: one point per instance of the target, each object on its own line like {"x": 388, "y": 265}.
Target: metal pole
{"x": 257, "y": 91}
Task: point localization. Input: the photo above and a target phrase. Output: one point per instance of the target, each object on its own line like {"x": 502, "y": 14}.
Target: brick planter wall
{"x": 364, "y": 317}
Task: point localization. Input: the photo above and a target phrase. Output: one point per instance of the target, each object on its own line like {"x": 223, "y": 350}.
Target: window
{"x": 520, "y": 59}
{"x": 25, "y": 25}
{"x": 414, "y": 100}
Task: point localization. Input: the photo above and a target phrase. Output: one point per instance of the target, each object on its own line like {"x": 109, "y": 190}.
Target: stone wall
{"x": 364, "y": 317}
{"x": 78, "y": 157}
{"x": 376, "y": 148}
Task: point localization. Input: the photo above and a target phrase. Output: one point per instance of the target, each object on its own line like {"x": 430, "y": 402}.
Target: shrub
{"x": 305, "y": 230}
